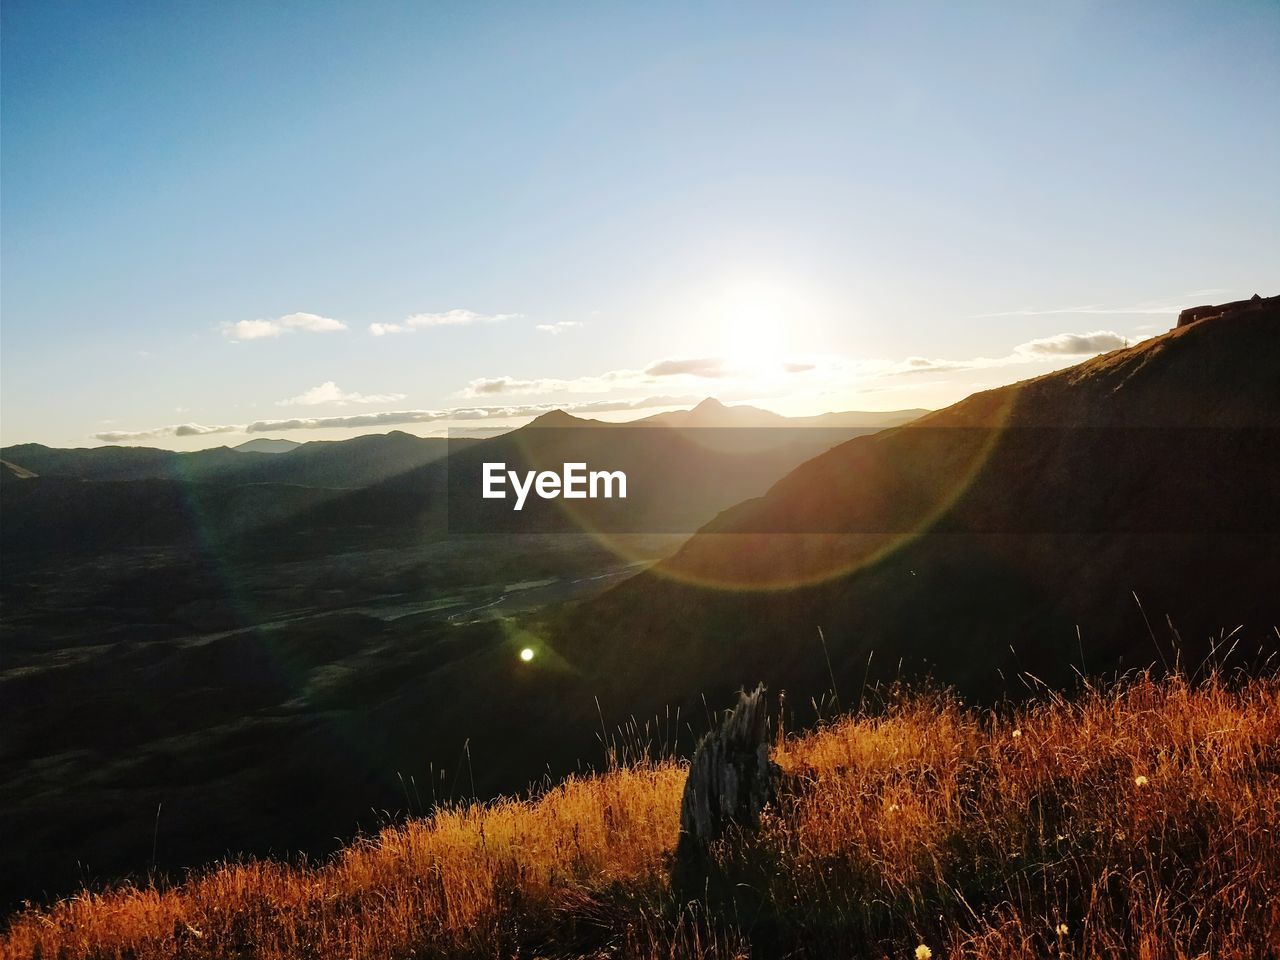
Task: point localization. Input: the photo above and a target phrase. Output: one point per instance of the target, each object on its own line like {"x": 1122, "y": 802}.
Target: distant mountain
{"x": 680, "y": 472}
{"x": 358, "y": 462}
{"x": 711, "y": 413}
{"x": 399, "y": 488}
{"x": 973, "y": 543}
{"x": 90, "y": 500}
{"x": 267, "y": 445}
{"x": 366, "y": 460}
{"x": 124, "y": 463}
{"x": 393, "y": 486}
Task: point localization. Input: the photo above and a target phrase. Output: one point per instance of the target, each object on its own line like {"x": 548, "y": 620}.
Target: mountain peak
{"x": 267, "y": 445}
{"x": 709, "y": 404}
{"x": 555, "y": 418}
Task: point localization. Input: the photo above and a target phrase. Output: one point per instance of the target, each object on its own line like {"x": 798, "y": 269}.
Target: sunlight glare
{"x": 760, "y": 322}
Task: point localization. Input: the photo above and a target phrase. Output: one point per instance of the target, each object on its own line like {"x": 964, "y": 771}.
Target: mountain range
{"x": 395, "y": 485}
{"x": 366, "y": 460}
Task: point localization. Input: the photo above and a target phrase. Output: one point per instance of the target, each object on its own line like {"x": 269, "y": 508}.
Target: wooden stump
{"x": 731, "y": 779}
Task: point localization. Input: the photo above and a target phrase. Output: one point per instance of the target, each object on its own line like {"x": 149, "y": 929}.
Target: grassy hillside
{"x": 1138, "y": 821}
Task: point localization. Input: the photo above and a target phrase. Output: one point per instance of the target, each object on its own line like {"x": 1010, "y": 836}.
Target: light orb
{"x": 526, "y": 654}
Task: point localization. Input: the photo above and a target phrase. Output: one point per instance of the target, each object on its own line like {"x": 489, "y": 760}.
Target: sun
{"x": 760, "y": 321}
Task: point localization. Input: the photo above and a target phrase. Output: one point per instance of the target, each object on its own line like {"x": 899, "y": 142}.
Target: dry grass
{"x": 1135, "y": 822}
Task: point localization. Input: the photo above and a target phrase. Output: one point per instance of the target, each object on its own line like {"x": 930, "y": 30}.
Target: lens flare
{"x": 938, "y": 466}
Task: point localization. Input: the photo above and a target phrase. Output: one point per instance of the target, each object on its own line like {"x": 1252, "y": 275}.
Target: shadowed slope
{"x": 973, "y": 542}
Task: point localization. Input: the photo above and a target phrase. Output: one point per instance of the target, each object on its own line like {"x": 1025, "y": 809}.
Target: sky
{"x": 220, "y": 221}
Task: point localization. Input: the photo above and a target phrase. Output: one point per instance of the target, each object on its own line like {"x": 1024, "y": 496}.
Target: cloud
{"x": 1094, "y": 309}
{"x": 491, "y": 386}
{"x": 174, "y": 430}
{"x": 928, "y": 365}
{"x": 1073, "y": 344}
{"x": 598, "y": 383}
{"x": 558, "y": 327}
{"x": 450, "y": 318}
{"x": 389, "y": 418}
{"x": 330, "y": 393}
{"x": 611, "y": 380}
{"x": 403, "y": 417}
{"x": 694, "y": 367}
{"x": 243, "y": 330}
{"x": 631, "y": 379}
{"x": 1042, "y": 349}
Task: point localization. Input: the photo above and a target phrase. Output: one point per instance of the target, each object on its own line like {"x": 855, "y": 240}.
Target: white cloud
{"x": 600, "y": 383}
{"x": 251, "y": 329}
{"x": 660, "y": 371}
{"x": 694, "y": 367}
{"x": 1060, "y": 345}
{"x": 928, "y": 365}
{"x": 491, "y": 386}
{"x": 450, "y": 318}
{"x": 174, "y": 430}
{"x": 706, "y": 367}
{"x": 330, "y": 393}
{"x": 243, "y": 330}
{"x": 1074, "y": 344}
{"x": 558, "y": 327}
{"x": 402, "y": 417}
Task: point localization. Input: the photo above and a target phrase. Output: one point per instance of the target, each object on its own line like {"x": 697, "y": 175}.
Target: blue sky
{"x": 210, "y": 208}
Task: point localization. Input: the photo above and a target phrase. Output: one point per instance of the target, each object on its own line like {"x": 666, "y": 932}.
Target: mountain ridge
{"x": 259, "y": 460}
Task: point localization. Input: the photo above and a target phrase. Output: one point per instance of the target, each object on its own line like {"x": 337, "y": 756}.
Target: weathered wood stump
{"x": 731, "y": 779}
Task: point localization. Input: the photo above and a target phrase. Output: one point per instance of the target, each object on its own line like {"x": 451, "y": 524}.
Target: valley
{"x": 195, "y": 644}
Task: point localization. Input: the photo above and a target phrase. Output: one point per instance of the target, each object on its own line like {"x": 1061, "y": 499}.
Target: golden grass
{"x": 1134, "y": 822}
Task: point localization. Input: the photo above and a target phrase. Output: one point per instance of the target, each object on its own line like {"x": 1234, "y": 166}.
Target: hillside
{"x": 357, "y": 462}
{"x": 1132, "y": 821}
{"x": 1010, "y": 532}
